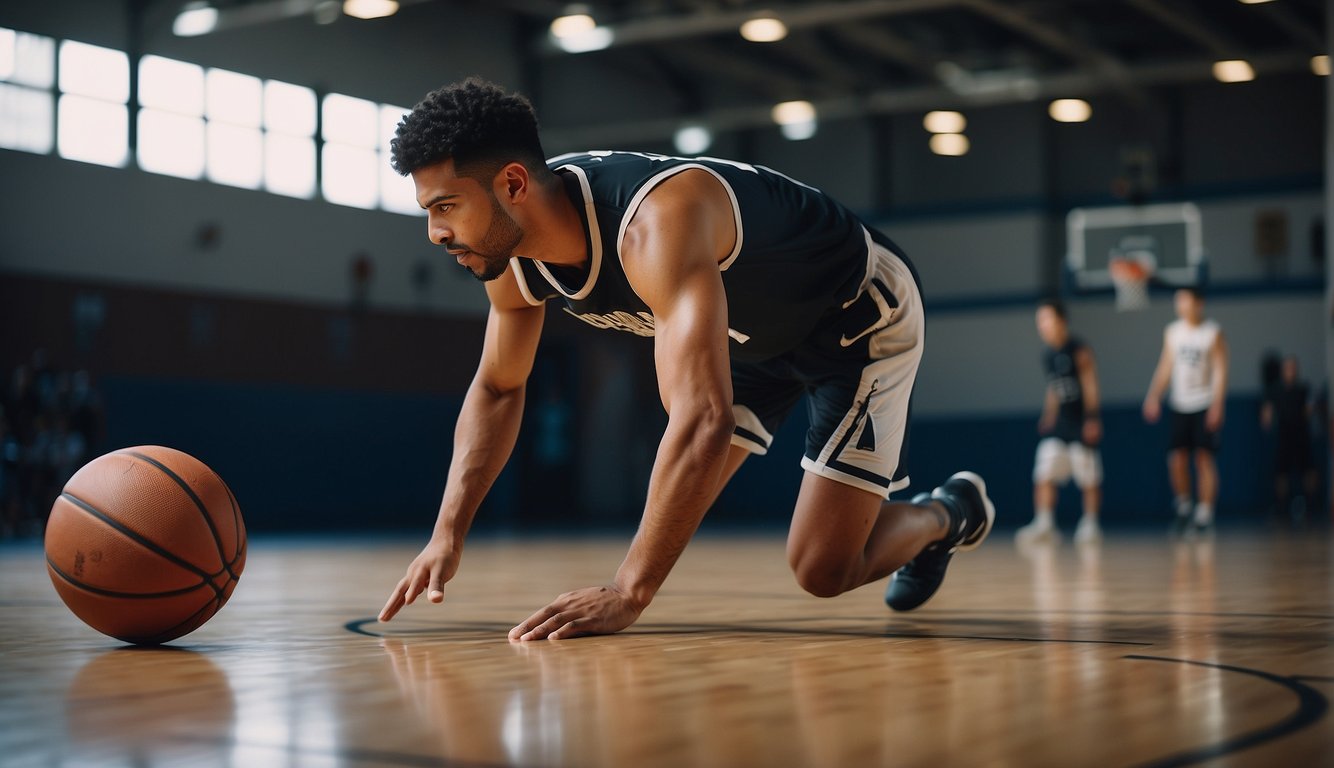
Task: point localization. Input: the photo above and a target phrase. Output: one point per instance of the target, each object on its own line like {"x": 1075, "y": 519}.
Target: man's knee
{"x": 820, "y": 576}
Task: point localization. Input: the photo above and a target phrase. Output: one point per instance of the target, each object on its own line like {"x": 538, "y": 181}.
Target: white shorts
{"x": 857, "y": 372}
{"x": 1057, "y": 461}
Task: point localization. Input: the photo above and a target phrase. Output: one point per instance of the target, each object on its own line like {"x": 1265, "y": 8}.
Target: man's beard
{"x": 497, "y": 246}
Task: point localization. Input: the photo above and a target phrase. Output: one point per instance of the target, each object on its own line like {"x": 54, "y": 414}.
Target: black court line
{"x": 1010, "y": 611}
{"x": 1311, "y": 707}
{"x": 359, "y": 627}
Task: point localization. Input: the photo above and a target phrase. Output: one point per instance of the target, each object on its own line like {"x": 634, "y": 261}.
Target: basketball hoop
{"x": 1130, "y": 277}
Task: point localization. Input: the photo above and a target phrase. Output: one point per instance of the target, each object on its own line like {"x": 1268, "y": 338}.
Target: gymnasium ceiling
{"x": 857, "y": 57}
{"x": 886, "y": 56}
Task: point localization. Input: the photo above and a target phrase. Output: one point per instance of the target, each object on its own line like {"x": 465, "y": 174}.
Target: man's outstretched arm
{"x": 484, "y": 437}
{"x": 671, "y": 253}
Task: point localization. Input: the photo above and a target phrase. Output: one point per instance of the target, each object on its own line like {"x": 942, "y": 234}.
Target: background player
{"x": 756, "y": 289}
{"x": 1194, "y": 362}
{"x": 1072, "y": 429}
{"x": 1289, "y": 411}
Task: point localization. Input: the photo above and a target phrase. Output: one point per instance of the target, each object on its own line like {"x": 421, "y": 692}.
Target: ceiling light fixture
{"x": 692, "y": 139}
{"x": 370, "y": 9}
{"x": 1320, "y": 64}
{"x": 195, "y": 19}
{"x": 944, "y": 122}
{"x": 1233, "y": 71}
{"x": 572, "y": 25}
{"x": 1070, "y": 110}
{"x": 796, "y": 119}
{"x": 949, "y": 144}
{"x": 764, "y": 29}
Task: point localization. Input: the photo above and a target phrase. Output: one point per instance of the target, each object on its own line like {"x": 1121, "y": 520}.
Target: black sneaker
{"x": 964, "y": 496}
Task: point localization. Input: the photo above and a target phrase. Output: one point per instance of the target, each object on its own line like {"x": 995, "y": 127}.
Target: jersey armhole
{"x": 654, "y": 181}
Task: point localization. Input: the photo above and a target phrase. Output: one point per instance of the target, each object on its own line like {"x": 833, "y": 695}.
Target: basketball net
{"x": 1130, "y": 277}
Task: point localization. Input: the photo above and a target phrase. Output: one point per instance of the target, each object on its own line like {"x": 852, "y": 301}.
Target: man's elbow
{"x": 711, "y": 428}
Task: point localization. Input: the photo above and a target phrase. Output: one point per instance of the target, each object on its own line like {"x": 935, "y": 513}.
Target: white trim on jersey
{"x": 523, "y": 283}
{"x": 657, "y": 179}
{"x": 594, "y": 241}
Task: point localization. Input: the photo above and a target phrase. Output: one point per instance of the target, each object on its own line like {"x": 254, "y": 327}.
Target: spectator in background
{"x": 1288, "y": 411}
{"x": 86, "y": 414}
{"x": 50, "y": 425}
{"x": 9, "y": 457}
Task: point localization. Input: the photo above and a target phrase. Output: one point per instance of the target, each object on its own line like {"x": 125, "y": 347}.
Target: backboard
{"x": 1166, "y": 235}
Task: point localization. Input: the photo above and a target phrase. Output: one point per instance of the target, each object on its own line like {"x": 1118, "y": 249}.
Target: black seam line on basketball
{"x": 73, "y": 582}
{"x": 138, "y": 539}
{"x": 171, "y": 633}
{"x": 236, "y": 522}
{"x": 199, "y": 504}
{"x": 1311, "y": 706}
{"x": 240, "y": 553}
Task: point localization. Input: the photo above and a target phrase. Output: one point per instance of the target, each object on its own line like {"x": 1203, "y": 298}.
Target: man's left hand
{"x": 589, "y": 611}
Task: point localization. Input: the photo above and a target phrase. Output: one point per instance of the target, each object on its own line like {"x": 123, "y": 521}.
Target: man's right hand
{"x": 1152, "y": 410}
{"x": 428, "y": 573}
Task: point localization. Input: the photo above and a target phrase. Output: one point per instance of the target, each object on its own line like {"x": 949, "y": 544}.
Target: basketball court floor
{"x": 1143, "y": 651}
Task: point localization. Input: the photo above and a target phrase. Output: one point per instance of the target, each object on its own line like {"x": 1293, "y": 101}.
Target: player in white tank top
{"x": 1194, "y": 363}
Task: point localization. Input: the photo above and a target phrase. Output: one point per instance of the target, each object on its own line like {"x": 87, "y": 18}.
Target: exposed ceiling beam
{"x": 908, "y": 100}
{"x": 1303, "y": 33}
{"x": 708, "y": 61}
{"x": 1190, "y": 25}
{"x": 659, "y": 29}
{"x": 1077, "y": 50}
{"x": 892, "y": 47}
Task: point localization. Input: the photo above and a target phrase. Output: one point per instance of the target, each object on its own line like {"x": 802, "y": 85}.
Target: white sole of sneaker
{"x": 990, "y": 508}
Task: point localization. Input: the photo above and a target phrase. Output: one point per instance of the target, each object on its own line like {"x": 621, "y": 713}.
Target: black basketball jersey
{"x": 1063, "y": 379}
{"x": 799, "y": 255}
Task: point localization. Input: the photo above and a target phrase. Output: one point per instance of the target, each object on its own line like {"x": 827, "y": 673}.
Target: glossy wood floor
{"x": 1139, "y": 652}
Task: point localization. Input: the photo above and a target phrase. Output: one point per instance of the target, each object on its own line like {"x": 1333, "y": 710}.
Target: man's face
{"x": 1051, "y": 328}
{"x": 465, "y": 217}
{"x": 1289, "y": 370}
{"x": 1187, "y": 306}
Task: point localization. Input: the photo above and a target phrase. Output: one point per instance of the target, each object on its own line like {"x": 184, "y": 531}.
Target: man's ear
{"x": 513, "y": 182}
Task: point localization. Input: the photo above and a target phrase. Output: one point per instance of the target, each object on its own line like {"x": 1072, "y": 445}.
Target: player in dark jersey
{"x": 755, "y": 289}
{"x": 1288, "y": 411}
{"x": 1071, "y": 427}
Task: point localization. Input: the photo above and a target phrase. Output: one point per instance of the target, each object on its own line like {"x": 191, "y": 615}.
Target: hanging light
{"x": 1070, "y": 110}
{"x": 944, "y": 122}
{"x": 764, "y": 29}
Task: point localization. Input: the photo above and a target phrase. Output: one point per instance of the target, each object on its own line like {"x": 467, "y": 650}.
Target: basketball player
{"x": 1288, "y": 411}
{"x": 1071, "y": 426}
{"x": 1194, "y": 362}
{"x": 754, "y": 288}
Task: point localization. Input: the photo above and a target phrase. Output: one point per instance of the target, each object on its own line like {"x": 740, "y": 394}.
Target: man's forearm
{"x": 484, "y": 437}
{"x": 685, "y": 476}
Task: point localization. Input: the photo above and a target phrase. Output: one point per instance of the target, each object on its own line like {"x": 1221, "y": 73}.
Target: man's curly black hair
{"x": 474, "y": 122}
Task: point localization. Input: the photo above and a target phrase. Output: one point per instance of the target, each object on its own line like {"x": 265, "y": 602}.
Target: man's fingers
{"x": 436, "y": 591}
{"x": 414, "y": 587}
{"x": 571, "y": 629}
{"x": 394, "y": 603}
{"x": 544, "y": 629}
{"x": 522, "y": 631}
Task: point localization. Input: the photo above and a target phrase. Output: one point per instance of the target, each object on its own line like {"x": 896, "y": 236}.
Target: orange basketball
{"x": 145, "y": 544}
